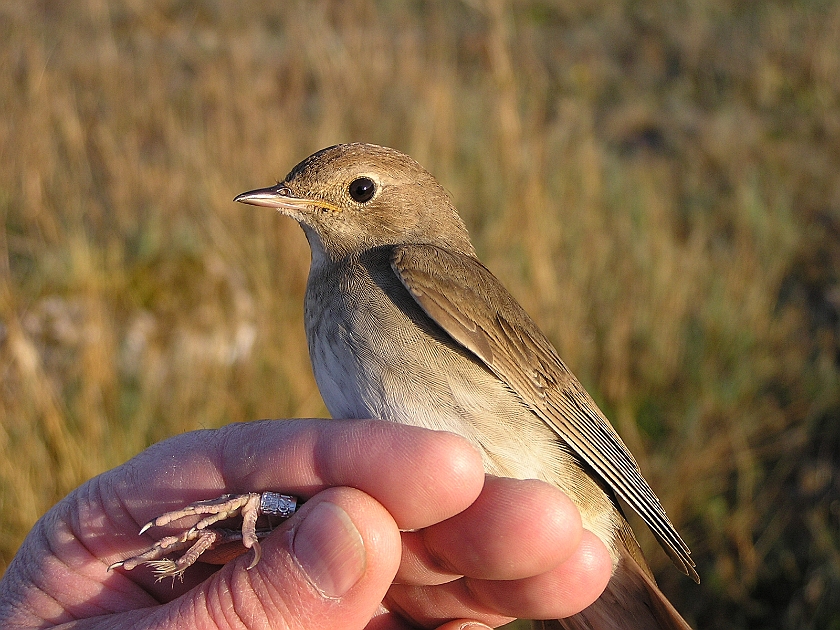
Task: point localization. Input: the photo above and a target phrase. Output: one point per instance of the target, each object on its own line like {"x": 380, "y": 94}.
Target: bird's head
{"x": 351, "y": 197}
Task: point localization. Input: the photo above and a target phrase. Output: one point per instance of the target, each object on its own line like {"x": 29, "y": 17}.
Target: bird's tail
{"x": 631, "y": 601}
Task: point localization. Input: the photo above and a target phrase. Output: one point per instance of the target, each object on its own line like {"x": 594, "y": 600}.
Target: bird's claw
{"x": 202, "y": 536}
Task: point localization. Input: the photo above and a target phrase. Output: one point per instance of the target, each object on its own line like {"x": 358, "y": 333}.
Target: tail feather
{"x": 631, "y": 601}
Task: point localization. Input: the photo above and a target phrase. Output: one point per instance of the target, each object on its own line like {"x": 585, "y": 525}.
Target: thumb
{"x": 329, "y": 566}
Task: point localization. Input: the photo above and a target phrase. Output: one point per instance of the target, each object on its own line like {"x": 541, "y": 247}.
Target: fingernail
{"x": 473, "y": 625}
{"x": 329, "y": 549}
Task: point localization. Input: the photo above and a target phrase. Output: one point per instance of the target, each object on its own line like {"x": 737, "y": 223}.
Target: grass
{"x": 654, "y": 181}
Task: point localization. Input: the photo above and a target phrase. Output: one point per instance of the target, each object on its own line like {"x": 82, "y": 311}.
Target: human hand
{"x": 486, "y": 550}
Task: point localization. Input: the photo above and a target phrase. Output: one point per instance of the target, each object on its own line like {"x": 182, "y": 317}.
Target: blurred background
{"x": 657, "y": 182}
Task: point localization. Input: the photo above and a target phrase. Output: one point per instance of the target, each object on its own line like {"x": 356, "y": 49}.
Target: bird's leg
{"x": 202, "y": 537}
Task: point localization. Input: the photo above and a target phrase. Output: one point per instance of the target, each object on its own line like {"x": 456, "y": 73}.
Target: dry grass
{"x": 655, "y": 181}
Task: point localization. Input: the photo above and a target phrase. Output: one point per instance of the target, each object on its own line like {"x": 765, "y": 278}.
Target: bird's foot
{"x": 202, "y": 537}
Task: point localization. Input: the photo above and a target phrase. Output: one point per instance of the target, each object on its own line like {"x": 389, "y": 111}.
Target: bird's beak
{"x": 280, "y": 197}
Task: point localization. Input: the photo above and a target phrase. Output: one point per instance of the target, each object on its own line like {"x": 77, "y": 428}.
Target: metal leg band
{"x": 276, "y": 504}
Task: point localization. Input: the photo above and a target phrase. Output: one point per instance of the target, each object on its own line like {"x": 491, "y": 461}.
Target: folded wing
{"x": 509, "y": 343}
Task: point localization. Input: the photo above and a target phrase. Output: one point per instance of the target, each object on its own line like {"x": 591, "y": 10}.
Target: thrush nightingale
{"x": 404, "y": 323}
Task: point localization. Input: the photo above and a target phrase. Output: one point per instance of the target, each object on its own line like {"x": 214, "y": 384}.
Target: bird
{"x": 404, "y": 323}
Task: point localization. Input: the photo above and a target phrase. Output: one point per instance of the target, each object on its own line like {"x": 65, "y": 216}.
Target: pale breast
{"x": 376, "y": 354}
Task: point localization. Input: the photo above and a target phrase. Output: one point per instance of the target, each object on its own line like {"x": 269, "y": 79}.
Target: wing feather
{"x": 502, "y": 335}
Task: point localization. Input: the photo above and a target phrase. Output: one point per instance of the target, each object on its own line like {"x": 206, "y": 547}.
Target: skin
{"x": 349, "y": 566}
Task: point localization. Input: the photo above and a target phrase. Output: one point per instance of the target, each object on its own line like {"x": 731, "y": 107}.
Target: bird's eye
{"x": 362, "y": 189}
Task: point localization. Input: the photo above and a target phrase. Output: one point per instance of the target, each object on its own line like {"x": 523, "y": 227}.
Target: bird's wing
{"x": 497, "y": 330}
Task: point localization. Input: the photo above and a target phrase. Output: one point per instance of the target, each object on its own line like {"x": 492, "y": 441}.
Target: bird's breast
{"x": 375, "y": 353}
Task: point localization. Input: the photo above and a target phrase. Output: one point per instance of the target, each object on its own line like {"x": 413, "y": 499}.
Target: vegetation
{"x": 657, "y": 183}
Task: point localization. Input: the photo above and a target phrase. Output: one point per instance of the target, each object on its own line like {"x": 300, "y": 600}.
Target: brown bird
{"x": 404, "y": 323}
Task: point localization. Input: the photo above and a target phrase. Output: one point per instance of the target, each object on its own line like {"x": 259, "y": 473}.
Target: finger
{"x": 430, "y": 474}
{"x": 561, "y": 592}
{"x": 514, "y": 529}
{"x": 394, "y": 621}
{"x": 565, "y": 591}
{"x": 463, "y": 624}
{"x": 420, "y": 476}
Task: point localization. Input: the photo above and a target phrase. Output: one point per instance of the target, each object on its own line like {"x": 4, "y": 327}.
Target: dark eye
{"x": 362, "y": 189}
